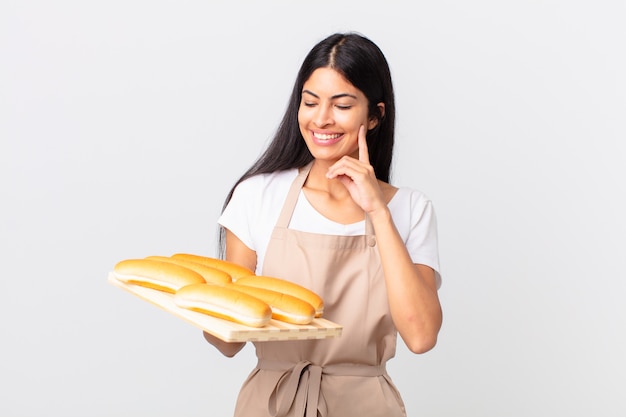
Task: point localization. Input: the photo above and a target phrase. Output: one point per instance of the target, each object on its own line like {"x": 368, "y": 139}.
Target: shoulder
{"x": 410, "y": 198}
{"x": 410, "y": 207}
{"x": 261, "y": 195}
{"x": 404, "y": 199}
{"x": 270, "y": 179}
{"x": 254, "y": 207}
{"x": 259, "y": 185}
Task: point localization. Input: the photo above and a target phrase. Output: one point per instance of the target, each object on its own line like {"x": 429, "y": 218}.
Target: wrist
{"x": 380, "y": 215}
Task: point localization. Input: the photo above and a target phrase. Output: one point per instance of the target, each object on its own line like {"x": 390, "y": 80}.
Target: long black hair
{"x": 363, "y": 64}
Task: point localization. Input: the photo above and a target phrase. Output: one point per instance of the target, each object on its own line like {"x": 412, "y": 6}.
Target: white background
{"x": 124, "y": 123}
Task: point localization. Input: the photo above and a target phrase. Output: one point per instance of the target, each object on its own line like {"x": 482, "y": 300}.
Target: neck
{"x": 317, "y": 180}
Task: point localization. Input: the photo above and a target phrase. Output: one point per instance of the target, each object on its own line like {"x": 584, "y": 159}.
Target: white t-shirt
{"x": 257, "y": 202}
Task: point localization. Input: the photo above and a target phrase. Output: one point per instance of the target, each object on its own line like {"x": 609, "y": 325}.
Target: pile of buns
{"x": 222, "y": 289}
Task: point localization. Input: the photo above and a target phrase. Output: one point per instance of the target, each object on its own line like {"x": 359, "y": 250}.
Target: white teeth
{"x": 323, "y": 136}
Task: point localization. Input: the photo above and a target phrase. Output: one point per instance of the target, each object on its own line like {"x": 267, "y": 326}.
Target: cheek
{"x": 302, "y": 123}
{"x": 353, "y": 118}
{"x": 351, "y": 122}
{"x": 302, "y": 126}
{"x": 303, "y": 115}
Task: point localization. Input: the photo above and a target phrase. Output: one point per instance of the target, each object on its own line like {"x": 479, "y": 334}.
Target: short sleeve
{"x": 254, "y": 208}
{"x": 418, "y": 227}
{"x": 236, "y": 217}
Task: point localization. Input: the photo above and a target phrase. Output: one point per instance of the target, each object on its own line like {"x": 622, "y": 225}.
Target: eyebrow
{"x": 341, "y": 95}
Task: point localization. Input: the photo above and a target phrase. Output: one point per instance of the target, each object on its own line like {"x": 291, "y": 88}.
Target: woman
{"x": 317, "y": 208}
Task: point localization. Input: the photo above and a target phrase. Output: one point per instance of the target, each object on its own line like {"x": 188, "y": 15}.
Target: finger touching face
{"x": 363, "y": 151}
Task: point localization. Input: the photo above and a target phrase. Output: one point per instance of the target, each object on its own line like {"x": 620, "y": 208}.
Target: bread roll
{"x": 210, "y": 275}
{"x": 285, "y": 287}
{"x": 284, "y": 307}
{"x": 225, "y": 303}
{"x": 233, "y": 269}
{"x": 162, "y": 276}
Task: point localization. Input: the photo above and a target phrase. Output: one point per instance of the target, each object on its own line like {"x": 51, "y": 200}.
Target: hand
{"x": 359, "y": 178}
{"x": 228, "y": 349}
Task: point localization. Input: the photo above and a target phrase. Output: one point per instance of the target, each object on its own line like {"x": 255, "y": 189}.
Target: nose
{"x": 323, "y": 116}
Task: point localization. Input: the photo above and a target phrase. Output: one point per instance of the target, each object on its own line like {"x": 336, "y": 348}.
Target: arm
{"x": 238, "y": 252}
{"x": 411, "y": 288}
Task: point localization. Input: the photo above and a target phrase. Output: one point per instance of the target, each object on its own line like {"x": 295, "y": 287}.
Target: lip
{"x": 326, "y": 139}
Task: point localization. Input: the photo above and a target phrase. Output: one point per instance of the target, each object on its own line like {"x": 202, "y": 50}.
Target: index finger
{"x": 363, "y": 152}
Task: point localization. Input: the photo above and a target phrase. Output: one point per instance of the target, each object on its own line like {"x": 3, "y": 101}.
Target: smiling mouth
{"x": 323, "y": 136}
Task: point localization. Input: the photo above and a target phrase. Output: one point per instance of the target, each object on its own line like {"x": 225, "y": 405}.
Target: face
{"x": 330, "y": 114}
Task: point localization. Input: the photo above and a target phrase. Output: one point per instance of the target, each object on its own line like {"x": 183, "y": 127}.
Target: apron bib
{"x": 343, "y": 376}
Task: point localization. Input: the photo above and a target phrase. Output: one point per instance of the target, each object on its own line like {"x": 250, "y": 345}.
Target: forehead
{"x": 329, "y": 82}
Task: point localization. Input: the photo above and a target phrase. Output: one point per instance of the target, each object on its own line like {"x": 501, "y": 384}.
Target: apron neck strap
{"x": 292, "y": 198}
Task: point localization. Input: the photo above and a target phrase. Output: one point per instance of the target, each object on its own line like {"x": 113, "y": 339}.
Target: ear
{"x": 373, "y": 121}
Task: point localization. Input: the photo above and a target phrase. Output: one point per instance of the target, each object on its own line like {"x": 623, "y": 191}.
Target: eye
{"x": 309, "y": 104}
{"x": 343, "y": 106}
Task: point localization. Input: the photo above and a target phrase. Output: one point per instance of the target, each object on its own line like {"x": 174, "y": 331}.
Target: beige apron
{"x": 337, "y": 377}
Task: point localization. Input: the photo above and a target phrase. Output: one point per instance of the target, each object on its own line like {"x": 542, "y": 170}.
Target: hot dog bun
{"x": 162, "y": 276}
{"x": 284, "y": 307}
{"x": 210, "y": 275}
{"x": 233, "y": 269}
{"x": 285, "y": 287}
{"x": 225, "y": 303}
